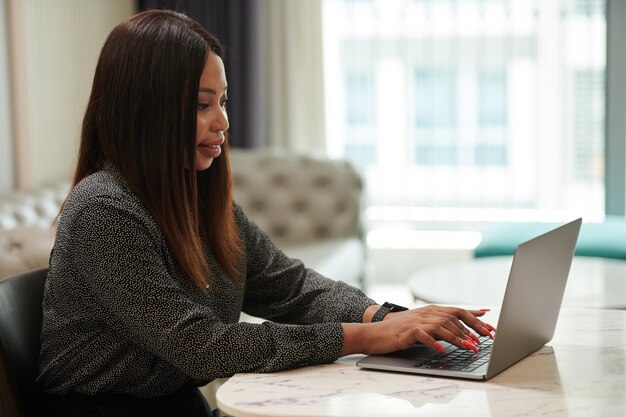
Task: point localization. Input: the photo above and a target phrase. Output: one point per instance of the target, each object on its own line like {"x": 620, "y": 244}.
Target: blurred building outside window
{"x": 465, "y": 111}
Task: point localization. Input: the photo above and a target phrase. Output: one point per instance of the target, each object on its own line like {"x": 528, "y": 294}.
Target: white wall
{"x": 6, "y": 146}
{"x": 54, "y": 47}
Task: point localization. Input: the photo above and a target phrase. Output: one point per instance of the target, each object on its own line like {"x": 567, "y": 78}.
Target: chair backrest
{"x": 21, "y": 314}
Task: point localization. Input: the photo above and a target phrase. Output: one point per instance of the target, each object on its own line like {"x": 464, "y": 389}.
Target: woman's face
{"x": 212, "y": 120}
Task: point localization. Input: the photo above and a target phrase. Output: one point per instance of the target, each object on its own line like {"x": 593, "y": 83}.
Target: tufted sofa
{"x": 311, "y": 207}
{"x": 26, "y": 234}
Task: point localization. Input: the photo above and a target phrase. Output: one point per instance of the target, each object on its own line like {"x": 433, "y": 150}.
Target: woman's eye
{"x": 223, "y": 103}
{"x": 203, "y": 106}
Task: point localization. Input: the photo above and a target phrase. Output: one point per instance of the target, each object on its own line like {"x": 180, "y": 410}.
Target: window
{"x": 589, "y": 7}
{"x": 491, "y": 148}
{"x": 491, "y": 101}
{"x": 435, "y": 120}
{"x": 360, "y": 126}
{"x": 470, "y": 105}
{"x": 435, "y": 103}
{"x": 587, "y": 125}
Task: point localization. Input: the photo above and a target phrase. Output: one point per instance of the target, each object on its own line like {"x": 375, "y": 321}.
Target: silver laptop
{"x": 528, "y": 316}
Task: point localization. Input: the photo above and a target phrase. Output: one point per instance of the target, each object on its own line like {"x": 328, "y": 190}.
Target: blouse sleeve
{"x": 282, "y": 289}
{"x": 119, "y": 255}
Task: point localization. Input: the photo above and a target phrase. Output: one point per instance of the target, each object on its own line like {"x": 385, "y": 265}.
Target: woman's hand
{"x": 421, "y": 325}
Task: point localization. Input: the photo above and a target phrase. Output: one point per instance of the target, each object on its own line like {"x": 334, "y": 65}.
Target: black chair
{"x": 20, "y": 326}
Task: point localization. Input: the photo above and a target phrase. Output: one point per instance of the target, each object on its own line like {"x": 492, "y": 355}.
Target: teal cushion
{"x": 604, "y": 240}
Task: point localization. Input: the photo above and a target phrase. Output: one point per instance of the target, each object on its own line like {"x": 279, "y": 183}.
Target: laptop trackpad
{"x": 402, "y": 360}
{"x": 419, "y": 351}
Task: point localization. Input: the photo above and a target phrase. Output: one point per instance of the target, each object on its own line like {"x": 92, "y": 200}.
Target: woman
{"x": 153, "y": 262}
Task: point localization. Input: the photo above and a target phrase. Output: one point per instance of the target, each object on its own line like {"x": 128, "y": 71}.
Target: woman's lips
{"x": 210, "y": 151}
{"x": 211, "y": 148}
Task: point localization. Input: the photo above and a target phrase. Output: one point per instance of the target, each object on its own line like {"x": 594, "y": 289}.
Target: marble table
{"x": 581, "y": 372}
{"x": 592, "y": 282}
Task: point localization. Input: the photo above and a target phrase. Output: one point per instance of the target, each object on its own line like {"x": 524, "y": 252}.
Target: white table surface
{"x": 592, "y": 282}
{"x": 581, "y": 372}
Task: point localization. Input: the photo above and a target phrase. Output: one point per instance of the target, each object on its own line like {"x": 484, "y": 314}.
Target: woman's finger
{"x": 441, "y": 333}
{"x": 430, "y": 336}
{"x": 420, "y": 335}
{"x": 449, "y": 321}
{"x": 469, "y": 318}
{"x": 458, "y": 316}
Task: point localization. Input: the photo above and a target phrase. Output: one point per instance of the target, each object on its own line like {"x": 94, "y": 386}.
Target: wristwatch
{"x": 386, "y": 309}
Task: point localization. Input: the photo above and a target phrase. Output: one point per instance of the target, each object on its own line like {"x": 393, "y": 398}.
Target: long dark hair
{"x": 141, "y": 118}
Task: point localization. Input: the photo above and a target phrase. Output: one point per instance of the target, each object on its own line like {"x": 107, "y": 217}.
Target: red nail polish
{"x": 469, "y": 345}
{"x": 486, "y": 333}
{"x": 439, "y": 347}
{"x": 475, "y": 339}
{"x": 485, "y": 309}
{"x": 490, "y": 327}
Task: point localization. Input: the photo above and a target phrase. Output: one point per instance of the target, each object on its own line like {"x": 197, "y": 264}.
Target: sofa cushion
{"x": 605, "y": 240}
{"x": 38, "y": 207}
{"x": 24, "y": 248}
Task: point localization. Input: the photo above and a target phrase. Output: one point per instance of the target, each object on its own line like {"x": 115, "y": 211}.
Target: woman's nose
{"x": 221, "y": 120}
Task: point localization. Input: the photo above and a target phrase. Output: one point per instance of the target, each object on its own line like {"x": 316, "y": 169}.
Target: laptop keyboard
{"x": 459, "y": 359}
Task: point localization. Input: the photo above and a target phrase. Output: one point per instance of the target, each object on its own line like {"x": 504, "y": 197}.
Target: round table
{"x": 592, "y": 282}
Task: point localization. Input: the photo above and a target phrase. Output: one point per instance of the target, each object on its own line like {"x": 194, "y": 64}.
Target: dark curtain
{"x": 234, "y": 22}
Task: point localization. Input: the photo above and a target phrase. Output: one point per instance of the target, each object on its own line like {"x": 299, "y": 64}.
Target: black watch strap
{"x": 385, "y": 309}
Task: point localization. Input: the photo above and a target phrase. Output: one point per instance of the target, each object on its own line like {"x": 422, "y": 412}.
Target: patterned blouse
{"x": 120, "y": 316}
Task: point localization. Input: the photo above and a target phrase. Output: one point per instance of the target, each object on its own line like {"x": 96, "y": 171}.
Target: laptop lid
{"x": 533, "y": 296}
{"x": 529, "y": 312}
